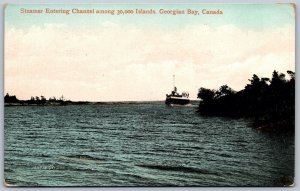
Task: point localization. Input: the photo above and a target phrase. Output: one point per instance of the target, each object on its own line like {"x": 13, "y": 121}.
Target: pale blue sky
{"x": 133, "y": 57}
{"x": 244, "y": 16}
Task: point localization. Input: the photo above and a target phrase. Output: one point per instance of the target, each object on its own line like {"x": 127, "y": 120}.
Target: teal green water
{"x": 139, "y": 145}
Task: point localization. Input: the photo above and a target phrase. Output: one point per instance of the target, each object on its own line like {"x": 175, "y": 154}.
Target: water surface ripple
{"x": 139, "y": 145}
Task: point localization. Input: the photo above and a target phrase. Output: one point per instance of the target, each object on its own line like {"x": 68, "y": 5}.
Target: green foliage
{"x": 267, "y": 101}
{"x": 292, "y": 74}
{"x": 206, "y": 95}
{"x": 224, "y": 90}
{"x": 10, "y": 99}
{"x": 33, "y": 100}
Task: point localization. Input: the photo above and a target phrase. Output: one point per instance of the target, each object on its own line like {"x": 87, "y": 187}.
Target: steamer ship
{"x": 174, "y": 98}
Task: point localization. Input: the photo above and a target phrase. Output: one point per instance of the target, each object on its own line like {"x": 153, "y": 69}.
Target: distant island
{"x": 12, "y": 100}
{"x": 270, "y": 102}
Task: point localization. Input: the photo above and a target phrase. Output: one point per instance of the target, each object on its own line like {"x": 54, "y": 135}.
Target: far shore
{"x": 66, "y": 103}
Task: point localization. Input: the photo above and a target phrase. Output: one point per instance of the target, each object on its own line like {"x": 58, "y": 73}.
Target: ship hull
{"x": 177, "y": 101}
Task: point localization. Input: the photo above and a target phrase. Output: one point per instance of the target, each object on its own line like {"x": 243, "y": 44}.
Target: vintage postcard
{"x": 149, "y": 95}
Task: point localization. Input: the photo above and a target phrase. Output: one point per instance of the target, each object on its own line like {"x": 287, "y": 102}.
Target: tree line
{"x": 270, "y": 102}
{"x": 34, "y": 100}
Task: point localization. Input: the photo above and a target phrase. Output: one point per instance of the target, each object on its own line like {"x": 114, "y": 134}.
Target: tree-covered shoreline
{"x": 12, "y": 100}
{"x": 269, "y": 102}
